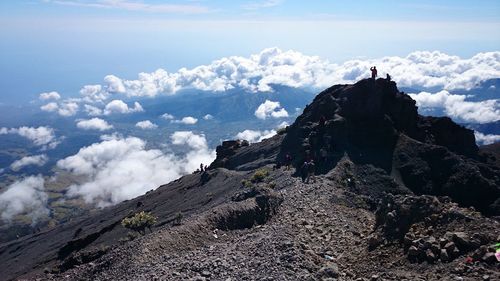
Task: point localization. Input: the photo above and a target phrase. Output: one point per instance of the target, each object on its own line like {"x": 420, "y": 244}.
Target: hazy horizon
{"x": 63, "y": 45}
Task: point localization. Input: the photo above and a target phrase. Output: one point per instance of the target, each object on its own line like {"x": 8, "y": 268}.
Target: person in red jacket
{"x": 374, "y": 72}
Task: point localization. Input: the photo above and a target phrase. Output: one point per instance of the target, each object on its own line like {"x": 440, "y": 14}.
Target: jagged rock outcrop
{"x": 372, "y": 123}
{"x": 239, "y": 155}
{"x": 422, "y": 224}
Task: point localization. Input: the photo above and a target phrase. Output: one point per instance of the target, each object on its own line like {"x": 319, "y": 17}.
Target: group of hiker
{"x": 307, "y": 170}
{"x": 201, "y": 169}
{"x": 373, "y": 69}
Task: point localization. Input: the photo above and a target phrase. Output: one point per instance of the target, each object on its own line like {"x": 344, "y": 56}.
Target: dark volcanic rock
{"x": 372, "y": 152}
{"x": 372, "y": 123}
{"x": 239, "y": 155}
{"x": 75, "y": 241}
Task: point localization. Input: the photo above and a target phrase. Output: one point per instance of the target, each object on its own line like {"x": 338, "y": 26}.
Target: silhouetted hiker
{"x": 374, "y": 72}
{"x": 311, "y": 171}
{"x": 288, "y": 161}
{"x": 201, "y": 167}
{"x": 388, "y": 77}
{"x": 304, "y": 171}
{"x": 206, "y": 168}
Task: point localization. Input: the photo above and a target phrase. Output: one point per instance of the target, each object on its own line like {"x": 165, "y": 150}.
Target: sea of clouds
{"x": 122, "y": 167}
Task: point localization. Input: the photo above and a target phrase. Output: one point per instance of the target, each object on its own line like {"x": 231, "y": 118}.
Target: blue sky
{"x": 64, "y": 44}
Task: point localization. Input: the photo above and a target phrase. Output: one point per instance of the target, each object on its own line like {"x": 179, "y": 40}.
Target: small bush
{"x": 246, "y": 183}
{"x": 139, "y": 222}
{"x": 272, "y": 185}
{"x": 282, "y": 131}
{"x": 259, "y": 175}
{"x": 178, "y": 218}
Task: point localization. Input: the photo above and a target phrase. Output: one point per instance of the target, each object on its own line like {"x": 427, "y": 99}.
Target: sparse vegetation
{"x": 272, "y": 185}
{"x": 178, "y": 218}
{"x": 282, "y": 131}
{"x": 246, "y": 183}
{"x": 139, "y": 222}
{"x": 259, "y": 175}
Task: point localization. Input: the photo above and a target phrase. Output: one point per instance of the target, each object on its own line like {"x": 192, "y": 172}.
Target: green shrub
{"x": 246, "y": 183}
{"x": 259, "y": 175}
{"x": 282, "y": 131}
{"x": 178, "y": 218}
{"x": 139, "y": 222}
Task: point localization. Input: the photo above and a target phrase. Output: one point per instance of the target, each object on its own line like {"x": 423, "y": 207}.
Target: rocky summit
{"x": 396, "y": 196}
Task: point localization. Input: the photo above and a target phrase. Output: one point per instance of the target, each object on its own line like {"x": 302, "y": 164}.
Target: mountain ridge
{"x": 379, "y": 150}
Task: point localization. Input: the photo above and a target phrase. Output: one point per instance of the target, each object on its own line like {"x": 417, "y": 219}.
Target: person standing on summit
{"x": 374, "y": 72}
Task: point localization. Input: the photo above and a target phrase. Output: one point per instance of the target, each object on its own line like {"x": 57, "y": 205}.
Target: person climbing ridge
{"x": 388, "y": 77}
{"x": 374, "y": 72}
{"x": 311, "y": 172}
{"x": 304, "y": 172}
{"x": 288, "y": 161}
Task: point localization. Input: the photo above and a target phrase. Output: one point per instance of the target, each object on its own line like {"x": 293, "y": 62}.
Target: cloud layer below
{"x": 121, "y": 168}
{"x": 254, "y": 136}
{"x": 458, "y": 108}
{"x": 290, "y": 68}
{"x": 38, "y": 160}
{"x": 26, "y": 196}
{"x": 270, "y": 109}
{"x": 94, "y": 124}
{"x": 42, "y": 136}
{"x": 486, "y": 139}
{"x": 261, "y": 72}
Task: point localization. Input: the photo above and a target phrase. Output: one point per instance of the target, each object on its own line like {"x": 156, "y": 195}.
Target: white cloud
{"x": 255, "y": 5}
{"x": 186, "y": 120}
{"x": 93, "y": 93}
{"x": 41, "y": 136}
{"x": 114, "y": 84}
{"x": 253, "y": 136}
{"x": 146, "y": 124}
{"x": 68, "y": 109}
{"x": 457, "y": 107}
{"x": 197, "y": 142}
{"x": 50, "y": 107}
{"x": 140, "y": 6}
{"x": 94, "y": 124}
{"x": 26, "y": 196}
{"x": 118, "y": 106}
{"x": 270, "y": 109}
{"x": 486, "y": 139}
{"x": 38, "y": 160}
{"x": 208, "y": 117}
{"x": 92, "y": 110}
{"x": 119, "y": 168}
{"x": 272, "y": 66}
{"x": 50, "y": 96}
{"x": 167, "y": 116}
